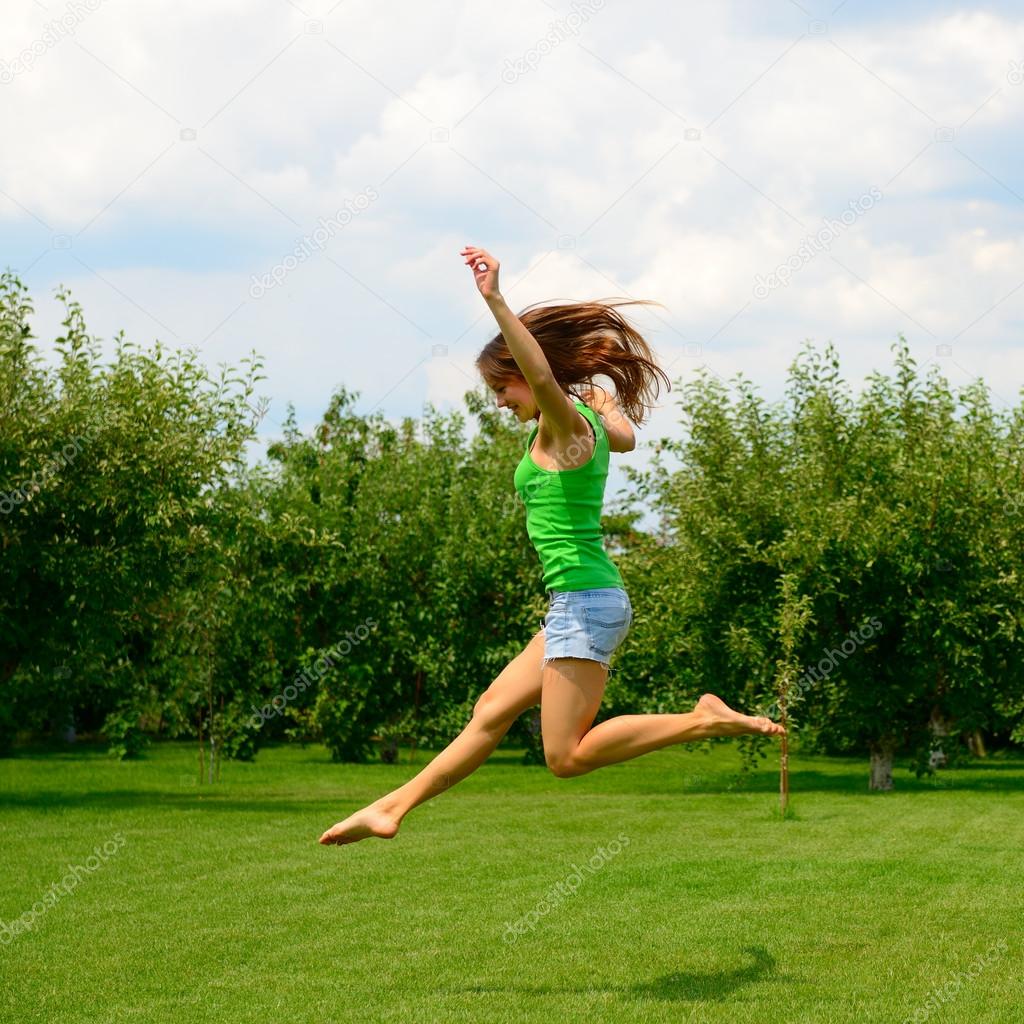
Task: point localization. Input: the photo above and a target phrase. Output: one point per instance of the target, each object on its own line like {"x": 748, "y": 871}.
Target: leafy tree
{"x": 884, "y": 513}
{"x": 95, "y": 550}
{"x": 851, "y": 563}
{"x": 423, "y": 563}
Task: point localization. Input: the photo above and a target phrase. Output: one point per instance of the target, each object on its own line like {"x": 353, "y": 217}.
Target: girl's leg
{"x": 572, "y": 689}
{"x": 517, "y": 688}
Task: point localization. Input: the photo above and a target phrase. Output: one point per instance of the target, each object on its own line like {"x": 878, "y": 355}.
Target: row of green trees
{"x": 886, "y": 529}
{"x": 852, "y": 563}
{"x": 157, "y": 585}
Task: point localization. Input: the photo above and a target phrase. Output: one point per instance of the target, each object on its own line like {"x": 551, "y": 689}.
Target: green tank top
{"x": 563, "y": 515}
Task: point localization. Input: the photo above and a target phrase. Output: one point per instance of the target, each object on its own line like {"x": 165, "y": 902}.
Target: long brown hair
{"x": 582, "y": 340}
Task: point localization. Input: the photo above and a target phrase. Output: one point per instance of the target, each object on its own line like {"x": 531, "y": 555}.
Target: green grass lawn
{"x": 669, "y": 895}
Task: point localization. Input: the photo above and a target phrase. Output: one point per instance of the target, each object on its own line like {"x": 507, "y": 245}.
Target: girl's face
{"x": 517, "y": 396}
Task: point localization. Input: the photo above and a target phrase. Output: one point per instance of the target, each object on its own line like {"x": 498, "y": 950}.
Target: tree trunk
{"x": 939, "y": 727}
{"x": 882, "y": 752}
{"x": 534, "y": 721}
{"x": 202, "y": 766}
{"x": 7, "y": 669}
{"x": 977, "y": 744}
{"x": 784, "y": 765}
{"x": 415, "y": 715}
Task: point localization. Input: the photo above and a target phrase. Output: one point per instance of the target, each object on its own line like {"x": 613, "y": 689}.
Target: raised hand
{"x": 485, "y": 270}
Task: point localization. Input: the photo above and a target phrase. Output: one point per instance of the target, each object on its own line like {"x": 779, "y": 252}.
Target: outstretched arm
{"x": 561, "y": 417}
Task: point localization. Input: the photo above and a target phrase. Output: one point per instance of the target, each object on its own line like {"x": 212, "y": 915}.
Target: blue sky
{"x": 167, "y": 154}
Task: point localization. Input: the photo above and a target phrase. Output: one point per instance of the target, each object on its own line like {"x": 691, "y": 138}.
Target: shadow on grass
{"x": 717, "y": 985}
{"x": 975, "y": 778}
{"x": 224, "y": 797}
{"x": 680, "y": 986}
{"x": 93, "y": 752}
{"x": 205, "y": 799}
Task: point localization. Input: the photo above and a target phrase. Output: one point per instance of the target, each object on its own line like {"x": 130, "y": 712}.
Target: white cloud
{"x": 289, "y": 128}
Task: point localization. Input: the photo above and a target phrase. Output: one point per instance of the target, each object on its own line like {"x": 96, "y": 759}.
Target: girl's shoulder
{"x": 586, "y": 413}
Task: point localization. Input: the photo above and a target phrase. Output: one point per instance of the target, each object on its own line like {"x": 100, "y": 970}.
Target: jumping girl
{"x": 535, "y": 366}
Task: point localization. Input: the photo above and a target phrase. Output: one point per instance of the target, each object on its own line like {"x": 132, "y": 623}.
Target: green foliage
{"x": 108, "y": 472}
{"x": 887, "y": 512}
{"x": 240, "y": 736}
{"x": 397, "y": 547}
{"x": 526, "y": 733}
{"x": 124, "y": 734}
{"x": 856, "y": 559}
{"x": 345, "y": 715}
{"x": 794, "y": 616}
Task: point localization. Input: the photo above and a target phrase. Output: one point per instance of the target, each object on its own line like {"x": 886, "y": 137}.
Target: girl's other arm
{"x": 620, "y": 431}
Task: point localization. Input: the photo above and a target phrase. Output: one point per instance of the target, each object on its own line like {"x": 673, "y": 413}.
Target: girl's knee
{"x": 564, "y": 766}
{"x": 488, "y": 712}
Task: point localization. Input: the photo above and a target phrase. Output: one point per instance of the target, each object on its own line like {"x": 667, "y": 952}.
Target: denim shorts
{"x": 586, "y": 623}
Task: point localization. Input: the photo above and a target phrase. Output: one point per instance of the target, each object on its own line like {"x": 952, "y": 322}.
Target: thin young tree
{"x": 794, "y": 614}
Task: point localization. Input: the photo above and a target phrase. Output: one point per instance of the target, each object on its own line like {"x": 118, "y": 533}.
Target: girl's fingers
{"x": 479, "y": 260}
{"x": 476, "y": 255}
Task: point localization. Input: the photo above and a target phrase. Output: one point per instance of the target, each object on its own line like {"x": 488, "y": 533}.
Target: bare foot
{"x": 723, "y": 721}
{"x": 370, "y": 821}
